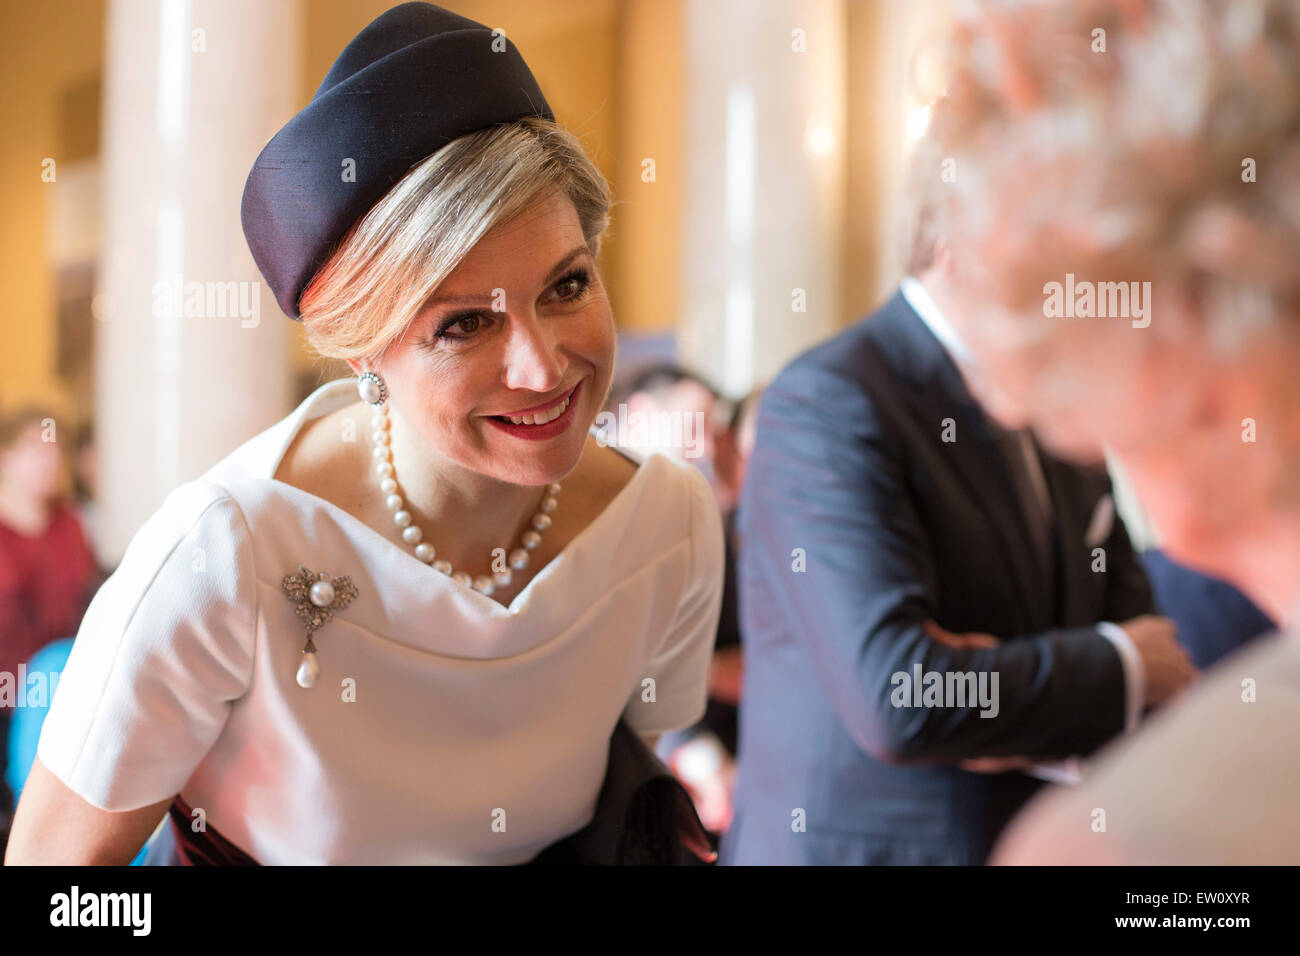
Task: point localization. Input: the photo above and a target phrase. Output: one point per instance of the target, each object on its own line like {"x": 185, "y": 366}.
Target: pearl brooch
{"x": 316, "y": 597}
{"x": 412, "y": 534}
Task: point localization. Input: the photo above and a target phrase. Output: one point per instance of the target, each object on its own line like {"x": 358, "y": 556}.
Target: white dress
{"x": 444, "y": 727}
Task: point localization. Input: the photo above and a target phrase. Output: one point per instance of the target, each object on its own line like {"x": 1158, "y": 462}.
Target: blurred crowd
{"x": 48, "y": 574}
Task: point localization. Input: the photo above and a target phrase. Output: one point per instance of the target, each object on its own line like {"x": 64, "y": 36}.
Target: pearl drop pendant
{"x": 308, "y": 670}
{"x": 316, "y": 597}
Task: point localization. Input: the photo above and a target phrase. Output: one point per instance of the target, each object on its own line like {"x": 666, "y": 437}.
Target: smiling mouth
{"x": 542, "y": 417}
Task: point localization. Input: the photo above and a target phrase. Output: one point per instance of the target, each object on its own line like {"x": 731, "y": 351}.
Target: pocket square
{"x": 1103, "y": 518}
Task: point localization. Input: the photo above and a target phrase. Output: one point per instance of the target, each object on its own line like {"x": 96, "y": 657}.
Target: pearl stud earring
{"x": 372, "y": 388}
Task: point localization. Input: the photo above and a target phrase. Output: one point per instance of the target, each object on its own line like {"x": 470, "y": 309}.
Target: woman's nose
{"x": 533, "y": 358}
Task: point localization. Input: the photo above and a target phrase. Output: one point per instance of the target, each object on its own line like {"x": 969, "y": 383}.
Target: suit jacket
{"x": 1213, "y": 618}
{"x": 894, "y": 525}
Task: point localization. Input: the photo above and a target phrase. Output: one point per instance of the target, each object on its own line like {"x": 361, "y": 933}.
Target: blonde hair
{"x": 391, "y": 261}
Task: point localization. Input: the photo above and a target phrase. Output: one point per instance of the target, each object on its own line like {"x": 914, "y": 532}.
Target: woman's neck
{"x": 463, "y": 514}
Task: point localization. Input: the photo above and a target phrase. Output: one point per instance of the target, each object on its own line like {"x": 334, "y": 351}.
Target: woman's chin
{"x": 536, "y": 463}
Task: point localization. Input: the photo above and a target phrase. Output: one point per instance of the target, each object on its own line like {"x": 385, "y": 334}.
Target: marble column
{"x": 765, "y": 89}
{"x": 192, "y": 354}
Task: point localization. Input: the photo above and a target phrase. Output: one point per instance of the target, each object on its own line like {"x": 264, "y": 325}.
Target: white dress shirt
{"x": 1067, "y": 771}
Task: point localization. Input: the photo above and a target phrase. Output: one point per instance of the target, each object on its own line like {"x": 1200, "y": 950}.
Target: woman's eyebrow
{"x": 472, "y": 297}
{"x": 569, "y": 257}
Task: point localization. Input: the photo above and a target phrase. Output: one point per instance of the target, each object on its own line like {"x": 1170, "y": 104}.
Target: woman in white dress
{"x": 401, "y": 625}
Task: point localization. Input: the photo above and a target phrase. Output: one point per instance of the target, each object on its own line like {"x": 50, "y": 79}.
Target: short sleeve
{"x": 680, "y": 667}
{"x": 164, "y": 648}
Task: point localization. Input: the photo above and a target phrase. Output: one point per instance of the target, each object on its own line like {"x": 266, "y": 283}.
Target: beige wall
{"x": 643, "y": 268}
{"x": 892, "y": 75}
{"x": 51, "y": 55}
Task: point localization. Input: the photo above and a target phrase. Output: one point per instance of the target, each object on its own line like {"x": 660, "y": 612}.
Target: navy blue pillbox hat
{"x": 412, "y": 81}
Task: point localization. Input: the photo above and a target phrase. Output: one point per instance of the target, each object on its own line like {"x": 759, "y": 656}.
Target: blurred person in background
{"x": 733, "y": 448}
{"x": 1213, "y": 618}
{"x": 47, "y": 570}
{"x": 894, "y": 531}
{"x": 85, "y": 481}
{"x": 704, "y": 756}
{"x": 668, "y": 409}
{"x": 1170, "y": 164}
{"x": 671, "y": 410}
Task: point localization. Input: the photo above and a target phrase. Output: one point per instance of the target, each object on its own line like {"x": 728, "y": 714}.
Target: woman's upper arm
{"x": 54, "y": 826}
{"x": 162, "y": 654}
{"x": 680, "y": 664}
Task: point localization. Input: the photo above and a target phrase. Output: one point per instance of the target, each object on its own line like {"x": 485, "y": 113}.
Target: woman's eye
{"x": 452, "y": 331}
{"x": 573, "y": 285}
{"x": 571, "y": 289}
{"x": 460, "y": 327}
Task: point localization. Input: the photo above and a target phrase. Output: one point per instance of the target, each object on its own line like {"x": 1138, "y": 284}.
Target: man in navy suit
{"x": 933, "y": 608}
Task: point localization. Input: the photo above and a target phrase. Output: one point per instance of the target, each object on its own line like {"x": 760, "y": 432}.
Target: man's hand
{"x": 708, "y": 773}
{"x": 972, "y": 639}
{"x": 995, "y": 764}
{"x": 726, "y": 675}
{"x": 1168, "y": 668}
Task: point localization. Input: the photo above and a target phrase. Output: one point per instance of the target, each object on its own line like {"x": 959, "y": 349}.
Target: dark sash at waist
{"x": 643, "y": 816}
{"x": 204, "y": 848}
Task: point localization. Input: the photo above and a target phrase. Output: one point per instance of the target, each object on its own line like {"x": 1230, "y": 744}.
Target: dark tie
{"x": 1020, "y": 455}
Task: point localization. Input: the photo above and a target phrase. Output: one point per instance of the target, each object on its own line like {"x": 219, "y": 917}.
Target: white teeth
{"x": 541, "y": 418}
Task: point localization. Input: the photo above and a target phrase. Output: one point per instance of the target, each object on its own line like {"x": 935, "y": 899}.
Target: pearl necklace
{"x": 413, "y": 535}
